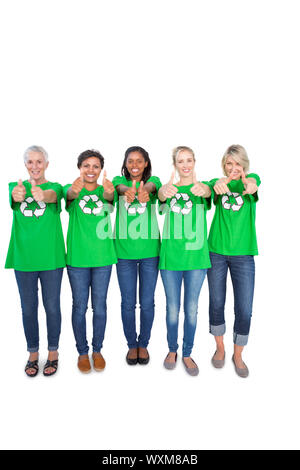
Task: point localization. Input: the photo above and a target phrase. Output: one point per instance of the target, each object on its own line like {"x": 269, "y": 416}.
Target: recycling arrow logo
{"x": 239, "y": 201}
{"x": 178, "y": 208}
{"x": 38, "y": 211}
{"x": 133, "y": 208}
{"x": 91, "y": 204}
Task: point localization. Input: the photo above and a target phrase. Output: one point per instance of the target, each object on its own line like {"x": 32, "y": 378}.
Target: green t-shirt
{"x": 136, "y": 228}
{"x": 90, "y": 238}
{"x": 36, "y": 242}
{"x": 184, "y": 241}
{"x": 232, "y": 230}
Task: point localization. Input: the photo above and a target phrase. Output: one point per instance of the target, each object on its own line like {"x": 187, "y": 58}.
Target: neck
{"x": 91, "y": 186}
{"x": 185, "y": 181}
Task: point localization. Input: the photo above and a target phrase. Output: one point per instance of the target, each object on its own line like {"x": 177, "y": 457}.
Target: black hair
{"x": 88, "y": 154}
{"x": 148, "y": 169}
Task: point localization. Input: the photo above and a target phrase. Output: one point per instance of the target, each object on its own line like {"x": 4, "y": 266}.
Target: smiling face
{"x": 90, "y": 169}
{"x": 185, "y": 164}
{"x": 135, "y": 165}
{"x": 233, "y": 168}
{"x": 36, "y": 166}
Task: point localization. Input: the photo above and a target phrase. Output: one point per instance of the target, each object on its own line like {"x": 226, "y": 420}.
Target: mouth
{"x": 135, "y": 171}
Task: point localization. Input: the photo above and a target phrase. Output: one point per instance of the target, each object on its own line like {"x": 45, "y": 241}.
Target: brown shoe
{"x": 84, "y": 364}
{"x": 99, "y": 362}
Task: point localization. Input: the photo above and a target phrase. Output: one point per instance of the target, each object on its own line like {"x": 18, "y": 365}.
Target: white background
{"x": 108, "y": 75}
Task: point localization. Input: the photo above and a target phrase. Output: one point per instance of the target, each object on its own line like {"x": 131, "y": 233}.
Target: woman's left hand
{"x": 107, "y": 184}
{"x": 250, "y": 184}
{"x": 37, "y": 193}
{"x": 200, "y": 189}
{"x": 142, "y": 193}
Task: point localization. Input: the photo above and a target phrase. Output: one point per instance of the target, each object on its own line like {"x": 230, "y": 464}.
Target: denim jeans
{"x": 81, "y": 280}
{"x": 28, "y": 289}
{"x": 242, "y": 271}
{"x": 128, "y": 270}
{"x": 172, "y": 281}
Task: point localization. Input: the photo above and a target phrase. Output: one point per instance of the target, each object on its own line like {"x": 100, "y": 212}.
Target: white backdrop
{"x": 108, "y": 75}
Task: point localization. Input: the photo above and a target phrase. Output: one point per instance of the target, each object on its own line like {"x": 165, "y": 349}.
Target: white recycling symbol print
{"x": 177, "y": 208}
{"x": 133, "y": 209}
{"x": 88, "y": 210}
{"x": 37, "y": 212}
{"x": 239, "y": 201}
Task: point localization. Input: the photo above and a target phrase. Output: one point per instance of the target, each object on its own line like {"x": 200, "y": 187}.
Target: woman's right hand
{"x": 77, "y": 186}
{"x": 130, "y": 193}
{"x": 221, "y": 185}
{"x": 19, "y": 192}
{"x": 168, "y": 190}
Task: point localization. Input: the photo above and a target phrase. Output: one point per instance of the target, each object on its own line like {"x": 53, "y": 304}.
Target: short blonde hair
{"x": 179, "y": 149}
{"x": 239, "y": 154}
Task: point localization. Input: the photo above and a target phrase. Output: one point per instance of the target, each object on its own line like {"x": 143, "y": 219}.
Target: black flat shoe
{"x": 130, "y": 361}
{"x": 144, "y": 360}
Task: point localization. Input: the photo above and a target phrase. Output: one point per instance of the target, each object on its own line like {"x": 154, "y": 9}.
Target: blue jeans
{"x": 28, "y": 289}
{"x": 128, "y": 270}
{"x": 242, "y": 271}
{"x": 172, "y": 281}
{"x": 81, "y": 280}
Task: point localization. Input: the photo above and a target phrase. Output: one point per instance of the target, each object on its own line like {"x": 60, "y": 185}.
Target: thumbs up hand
{"x": 77, "y": 186}
{"x": 37, "y": 192}
{"x": 143, "y": 195}
{"x": 107, "y": 184}
{"x": 199, "y": 189}
{"x": 19, "y": 192}
{"x": 221, "y": 185}
{"x": 168, "y": 190}
{"x": 249, "y": 183}
{"x": 130, "y": 193}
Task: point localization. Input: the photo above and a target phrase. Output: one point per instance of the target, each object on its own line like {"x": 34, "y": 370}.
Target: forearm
{"x": 50, "y": 196}
{"x": 161, "y": 195}
{"x": 150, "y": 187}
{"x": 207, "y": 192}
{"x": 71, "y": 195}
{"x": 121, "y": 189}
{"x": 108, "y": 196}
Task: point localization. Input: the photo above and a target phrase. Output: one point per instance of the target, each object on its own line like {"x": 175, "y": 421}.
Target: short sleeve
{"x": 256, "y": 177}
{"x": 156, "y": 181}
{"x": 69, "y": 204}
{"x": 119, "y": 180}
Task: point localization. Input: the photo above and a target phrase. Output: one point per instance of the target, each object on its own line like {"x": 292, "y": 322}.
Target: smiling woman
{"x": 90, "y": 253}
{"x": 137, "y": 246}
{"x": 36, "y": 217}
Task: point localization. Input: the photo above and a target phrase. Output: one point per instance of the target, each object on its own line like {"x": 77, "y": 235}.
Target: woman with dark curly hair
{"x": 137, "y": 244}
{"x": 90, "y": 253}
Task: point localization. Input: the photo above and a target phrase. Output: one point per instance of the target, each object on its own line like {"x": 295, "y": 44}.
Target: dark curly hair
{"x": 88, "y": 154}
{"x": 148, "y": 169}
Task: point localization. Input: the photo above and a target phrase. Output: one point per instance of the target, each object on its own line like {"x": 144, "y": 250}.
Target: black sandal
{"x": 53, "y": 364}
{"x": 32, "y": 365}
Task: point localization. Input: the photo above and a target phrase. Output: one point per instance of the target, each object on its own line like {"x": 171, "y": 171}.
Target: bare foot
{"x": 171, "y": 357}
{"x": 132, "y": 353}
{"x": 189, "y": 363}
{"x": 143, "y": 353}
{"x": 239, "y": 362}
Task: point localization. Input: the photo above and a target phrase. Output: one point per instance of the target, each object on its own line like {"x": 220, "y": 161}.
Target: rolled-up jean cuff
{"x": 52, "y": 348}
{"x": 217, "y": 330}
{"x": 33, "y": 350}
{"x": 240, "y": 340}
